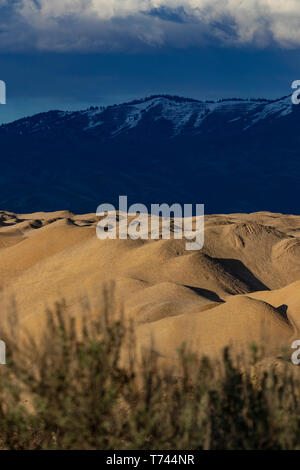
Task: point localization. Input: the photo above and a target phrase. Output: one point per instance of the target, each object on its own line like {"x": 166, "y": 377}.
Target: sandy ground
{"x": 242, "y": 287}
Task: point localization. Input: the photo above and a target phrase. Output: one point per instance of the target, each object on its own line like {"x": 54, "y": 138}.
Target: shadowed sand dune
{"x": 243, "y": 287}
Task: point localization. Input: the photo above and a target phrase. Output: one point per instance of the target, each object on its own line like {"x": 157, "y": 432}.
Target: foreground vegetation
{"x": 73, "y": 391}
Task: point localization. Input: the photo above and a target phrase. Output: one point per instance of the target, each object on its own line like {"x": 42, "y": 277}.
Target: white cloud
{"x": 116, "y": 24}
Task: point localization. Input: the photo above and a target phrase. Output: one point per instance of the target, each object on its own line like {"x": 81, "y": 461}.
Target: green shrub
{"x": 73, "y": 390}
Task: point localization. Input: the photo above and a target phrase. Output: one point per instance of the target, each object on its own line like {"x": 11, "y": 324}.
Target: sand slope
{"x": 242, "y": 287}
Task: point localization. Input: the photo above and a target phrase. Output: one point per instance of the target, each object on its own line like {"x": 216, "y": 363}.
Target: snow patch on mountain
{"x": 183, "y": 114}
{"x": 275, "y": 109}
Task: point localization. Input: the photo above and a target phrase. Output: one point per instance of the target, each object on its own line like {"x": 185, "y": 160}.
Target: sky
{"x": 71, "y": 54}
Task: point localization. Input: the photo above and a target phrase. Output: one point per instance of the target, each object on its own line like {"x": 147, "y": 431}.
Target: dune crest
{"x": 242, "y": 287}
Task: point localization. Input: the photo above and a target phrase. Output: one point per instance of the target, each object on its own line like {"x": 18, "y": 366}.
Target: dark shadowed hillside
{"x": 233, "y": 155}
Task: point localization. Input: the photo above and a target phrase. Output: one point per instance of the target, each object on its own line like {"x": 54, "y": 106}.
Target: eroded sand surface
{"x": 242, "y": 287}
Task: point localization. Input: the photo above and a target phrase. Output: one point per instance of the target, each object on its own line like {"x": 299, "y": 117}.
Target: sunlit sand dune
{"x": 243, "y": 287}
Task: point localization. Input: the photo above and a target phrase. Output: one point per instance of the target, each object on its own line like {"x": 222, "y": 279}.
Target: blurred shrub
{"x": 72, "y": 390}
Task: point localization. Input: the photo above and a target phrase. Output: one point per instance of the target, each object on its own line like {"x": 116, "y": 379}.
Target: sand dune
{"x": 242, "y": 287}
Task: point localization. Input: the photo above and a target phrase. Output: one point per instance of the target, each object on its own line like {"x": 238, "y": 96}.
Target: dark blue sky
{"x": 42, "y": 81}
{"x": 69, "y": 55}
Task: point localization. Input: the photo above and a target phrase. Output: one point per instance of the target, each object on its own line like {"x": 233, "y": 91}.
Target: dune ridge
{"x": 242, "y": 287}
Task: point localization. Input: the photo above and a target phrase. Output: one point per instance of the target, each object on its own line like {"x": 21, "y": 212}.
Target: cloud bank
{"x": 108, "y": 25}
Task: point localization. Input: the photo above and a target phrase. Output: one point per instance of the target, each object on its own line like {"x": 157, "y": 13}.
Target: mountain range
{"x": 233, "y": 155}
